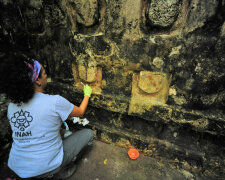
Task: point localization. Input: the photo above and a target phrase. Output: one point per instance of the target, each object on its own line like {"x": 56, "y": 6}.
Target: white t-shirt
{"x": 37, "y": 145}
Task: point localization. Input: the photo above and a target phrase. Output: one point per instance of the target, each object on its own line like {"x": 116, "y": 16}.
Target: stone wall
{"x": 156, "y": 69}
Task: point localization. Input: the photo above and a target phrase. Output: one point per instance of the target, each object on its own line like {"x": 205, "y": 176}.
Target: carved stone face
{"x": 88, "y": 73}
{"x": 148, "y": 88}
{"x": 87, "y": 11}
{"x": 163, "y": 12}
{"x": 149, "y": 82}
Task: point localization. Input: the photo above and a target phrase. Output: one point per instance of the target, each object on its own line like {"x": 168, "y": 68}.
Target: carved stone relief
{"x": 87, "y": 11}
{"x": 85, "y": 15}
{"x": 162, "y": 13}
{"x": 148, "y": 88}
{"x": 87, "y": 74}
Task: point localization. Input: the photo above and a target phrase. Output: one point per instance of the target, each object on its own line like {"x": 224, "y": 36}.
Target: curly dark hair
{"x": 15, "y": 78}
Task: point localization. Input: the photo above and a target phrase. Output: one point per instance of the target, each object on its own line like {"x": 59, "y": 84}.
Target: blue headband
{"x": 36, "y": 69}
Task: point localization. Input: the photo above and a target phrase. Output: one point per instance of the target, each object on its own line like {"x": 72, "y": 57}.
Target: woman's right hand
{"x": 87, "y": 90}
{"x": 79, "y": 111}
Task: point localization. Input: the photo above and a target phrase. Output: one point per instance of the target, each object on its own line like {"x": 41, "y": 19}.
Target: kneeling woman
{"x": 35, "y": 118}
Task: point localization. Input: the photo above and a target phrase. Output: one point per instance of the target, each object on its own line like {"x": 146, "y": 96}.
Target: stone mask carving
{"x": 163, "y": 13}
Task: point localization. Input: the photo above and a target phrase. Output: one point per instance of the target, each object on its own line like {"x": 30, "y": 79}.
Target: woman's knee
{"x": 89, "y": 132}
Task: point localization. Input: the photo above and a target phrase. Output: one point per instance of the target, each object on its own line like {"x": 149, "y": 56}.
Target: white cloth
{"x": 37, "y": 145}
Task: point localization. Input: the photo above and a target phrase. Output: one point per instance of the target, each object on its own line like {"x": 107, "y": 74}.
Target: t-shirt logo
{"x": 21, "y": 119}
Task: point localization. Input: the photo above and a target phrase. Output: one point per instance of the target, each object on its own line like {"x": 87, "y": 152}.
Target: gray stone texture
{"x": 200, "y": 12}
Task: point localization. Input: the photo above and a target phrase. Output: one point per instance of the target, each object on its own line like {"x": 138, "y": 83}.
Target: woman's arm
{"x": 79, "y": 111}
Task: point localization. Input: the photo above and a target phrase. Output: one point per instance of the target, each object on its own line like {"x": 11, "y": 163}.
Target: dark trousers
{"x": 72, "y": 146}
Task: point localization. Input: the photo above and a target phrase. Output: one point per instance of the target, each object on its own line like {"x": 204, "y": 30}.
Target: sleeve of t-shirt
{"x": 63, "y": 107}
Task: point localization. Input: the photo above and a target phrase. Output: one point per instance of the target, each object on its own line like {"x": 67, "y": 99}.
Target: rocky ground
{"x": 109, "y": 162}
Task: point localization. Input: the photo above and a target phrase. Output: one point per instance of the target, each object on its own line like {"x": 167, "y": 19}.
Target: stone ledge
{"x": 201, "y": 121}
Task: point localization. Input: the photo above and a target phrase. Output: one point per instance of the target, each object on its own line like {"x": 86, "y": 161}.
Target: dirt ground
{"x": 109, "y": 162}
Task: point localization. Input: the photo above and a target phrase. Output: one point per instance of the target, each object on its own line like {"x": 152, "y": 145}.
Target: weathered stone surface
{"x": 148, "y": 89}
{"x": 82, "y": 72}
{"x": 107, "y": 43}
{"x": 4, "y": 125}
{"x": 161, "y": 136}
{"x": 200, "y": 12}
{"x": 87, "y": 11}
{"x": 163, "y": 13}
{"x": 151, "y": 82}
{"x": 87, "y": 75}
{"x": 158, "y": 62}
{"x": 86, "y": 15}
{"x": 91, "y": 71}
{"x": 222, "y": 33}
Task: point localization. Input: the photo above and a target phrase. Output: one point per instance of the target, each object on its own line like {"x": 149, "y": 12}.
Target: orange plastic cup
{"x": 133, "y": 153}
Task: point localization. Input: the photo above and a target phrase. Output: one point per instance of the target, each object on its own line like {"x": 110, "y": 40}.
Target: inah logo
{"x": 21, "y": 119}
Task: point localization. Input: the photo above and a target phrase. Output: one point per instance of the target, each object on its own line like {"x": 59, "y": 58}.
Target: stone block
{"x": 82, "y": 72}
{"x": 91, "y": 71}
{"x": 91, "y": 75}
{"x": 148, "y": 89}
